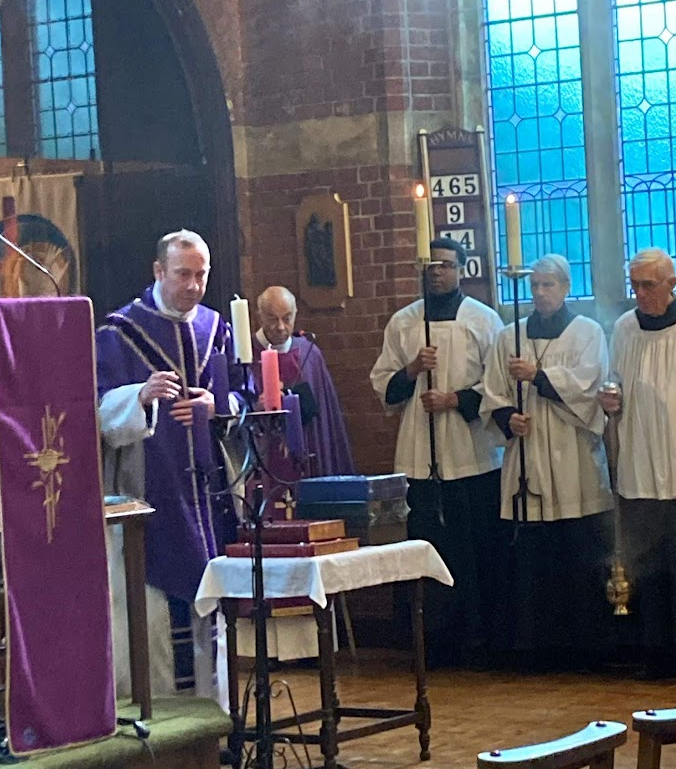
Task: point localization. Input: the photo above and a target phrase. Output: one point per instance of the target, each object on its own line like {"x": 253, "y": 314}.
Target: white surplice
{"x": 565, "y": 455}
{"x": 463, "y": 449}
{"x": 646, "y": 363}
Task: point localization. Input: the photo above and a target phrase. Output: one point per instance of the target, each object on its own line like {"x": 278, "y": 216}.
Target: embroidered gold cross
{"x": 288, "y": 504}
{"x": 48, "y": 461}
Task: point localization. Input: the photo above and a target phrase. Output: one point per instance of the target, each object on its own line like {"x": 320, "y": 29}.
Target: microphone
{"x": 312, "y": 339}
{"x": 30, "y": 259}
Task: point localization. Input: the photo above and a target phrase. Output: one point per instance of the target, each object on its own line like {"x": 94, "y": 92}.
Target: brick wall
{"x": 327, "y": 95}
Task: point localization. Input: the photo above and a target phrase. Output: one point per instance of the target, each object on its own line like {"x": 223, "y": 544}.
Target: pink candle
{"x": 272, "y": 387}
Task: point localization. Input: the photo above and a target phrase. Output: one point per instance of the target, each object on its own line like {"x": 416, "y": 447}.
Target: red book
{"x": 293, "y": 549}
{"x": 295, "y": 531}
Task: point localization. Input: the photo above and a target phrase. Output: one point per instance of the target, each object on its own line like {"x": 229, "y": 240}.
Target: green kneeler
{"x": 184, "y": 732}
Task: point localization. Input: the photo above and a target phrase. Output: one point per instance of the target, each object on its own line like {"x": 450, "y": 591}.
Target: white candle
{"x": 241, "y": 330}
{"x": 422, "y": 225}
{"x": 513, "y": 219}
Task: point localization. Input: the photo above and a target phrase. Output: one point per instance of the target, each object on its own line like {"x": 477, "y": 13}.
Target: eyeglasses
{"x": 444, "y": 265}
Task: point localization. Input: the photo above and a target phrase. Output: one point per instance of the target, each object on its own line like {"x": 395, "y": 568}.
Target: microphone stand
{"x": 30, "y": 259}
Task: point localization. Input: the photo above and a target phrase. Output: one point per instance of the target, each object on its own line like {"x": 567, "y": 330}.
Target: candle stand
{"x": 520, "y": 498}
{"x": 252, "y": 427}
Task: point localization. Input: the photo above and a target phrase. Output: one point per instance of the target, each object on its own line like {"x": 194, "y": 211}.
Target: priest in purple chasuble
{"x": 156, "y": 370}
{"x": 303, "y": 370}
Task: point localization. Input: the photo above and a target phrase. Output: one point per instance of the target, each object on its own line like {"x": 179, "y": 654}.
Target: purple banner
{"x": 60, "y": 682}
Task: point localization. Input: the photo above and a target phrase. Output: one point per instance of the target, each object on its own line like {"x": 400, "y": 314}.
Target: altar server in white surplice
{"x": 644, "y": 356}
{"x": 555, "y": 572}
{"x": 457, "y": 620}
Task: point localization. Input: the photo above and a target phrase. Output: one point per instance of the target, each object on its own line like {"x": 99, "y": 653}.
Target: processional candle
{"x": 272, "y": 387}
{"x": 422, "y": 225}
{"x": 513, "y": 220}
{"x": 241, "y": 330}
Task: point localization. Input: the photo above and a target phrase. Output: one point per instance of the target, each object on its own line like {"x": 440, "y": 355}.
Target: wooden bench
{"x": 593, "y": 746}
{"x": 655, "y": 728}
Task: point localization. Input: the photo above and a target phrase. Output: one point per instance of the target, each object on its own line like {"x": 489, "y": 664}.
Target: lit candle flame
{"x": 511, "y": 198}
{"x": 420, "y": 190}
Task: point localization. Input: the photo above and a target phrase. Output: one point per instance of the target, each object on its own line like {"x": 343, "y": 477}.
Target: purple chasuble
{"x": 325, "y": 434}
{"x": 194, "y": 519}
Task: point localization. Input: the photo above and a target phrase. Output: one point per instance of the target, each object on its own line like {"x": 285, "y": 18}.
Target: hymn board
{"x": 458, "y": 188}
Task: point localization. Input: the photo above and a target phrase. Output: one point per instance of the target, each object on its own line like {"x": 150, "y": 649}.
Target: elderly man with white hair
{"x": 644, "y": 357}
{"x": 555, "y": 607}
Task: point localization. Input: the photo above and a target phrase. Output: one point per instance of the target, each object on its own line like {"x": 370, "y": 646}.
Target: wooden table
{"x": 133, "y": 516}
{"x": 321, "y": 578}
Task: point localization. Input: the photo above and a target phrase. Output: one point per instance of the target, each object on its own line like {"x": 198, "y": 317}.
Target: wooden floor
{"x": 472, "y": 712}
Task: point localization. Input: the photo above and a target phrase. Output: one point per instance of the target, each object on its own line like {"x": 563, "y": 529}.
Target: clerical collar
{"x": 444, "y": 306}
{"x": 263, "y": 342}
{"x": 539, "y": 327}
{"x": 657, "y": 322}
{"x": 173, "y": 314}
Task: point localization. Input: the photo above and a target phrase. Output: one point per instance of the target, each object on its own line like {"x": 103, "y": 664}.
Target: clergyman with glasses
{"x": 458, "y": 514}
{"x": 643, "y": 353}
{"x": 554, "y": 611}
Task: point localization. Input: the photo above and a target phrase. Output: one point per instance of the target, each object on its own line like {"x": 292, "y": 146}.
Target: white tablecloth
{"x": 322, "y": 575}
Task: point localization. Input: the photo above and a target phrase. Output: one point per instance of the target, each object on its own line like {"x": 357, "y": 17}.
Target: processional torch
{"x": 516, "y": 272}
{"x": 424, "y": 235}
{"x": 618, "y": 589}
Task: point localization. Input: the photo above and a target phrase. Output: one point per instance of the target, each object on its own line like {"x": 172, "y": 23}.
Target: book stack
{"x": 291, "y": 539}
{"x": 294, "y": 539}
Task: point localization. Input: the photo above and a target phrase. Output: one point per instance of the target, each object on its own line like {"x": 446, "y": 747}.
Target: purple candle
{"x": 295, "y": 438}
{"x": 201, "y": 437}
{"x": 220, "y": 382}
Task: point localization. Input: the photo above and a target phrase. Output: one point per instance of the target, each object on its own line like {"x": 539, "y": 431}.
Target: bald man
{"x": 303, "y": 370}
{"x": 643, "y": 353}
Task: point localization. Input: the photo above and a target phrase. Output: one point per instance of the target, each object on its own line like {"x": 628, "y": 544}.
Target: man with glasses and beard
{"x": 458, "y": 513}
{"x": 643, "y": 353}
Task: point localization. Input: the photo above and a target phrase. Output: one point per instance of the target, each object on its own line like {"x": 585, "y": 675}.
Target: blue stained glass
{"x": 658, "y": 122}
{"x": 522, "y": 36}
{"x": 652, "y": 20}
{"x": 647, "y": 122}
{"x": 63, "y": 79}
{"x": 572, "y": 131}
{"x": 631, "y": 90}
{"x": 533, "y": 117}
{"x": 548, "y": 99}
{"x": 525, "y": 101}
{"x": 628, "y": 23}
{"x": 631, "y": 56}
{"x": 524, "y": 69}
{"x": 545, "y": 33}
{"x": 500, "y": 42}
{"x": 503, "y": 104}
{"x": 547, "y": 67}
{"x": 501, "y": 71}
{"x": 506, "y": 170}
{"x": 527, "y": 133}
{"x": 57, "y": 9}
{"x": 569, "y": 64}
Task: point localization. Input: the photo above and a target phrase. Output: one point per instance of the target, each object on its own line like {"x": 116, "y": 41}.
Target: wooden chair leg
{"x": 649, "y": 752}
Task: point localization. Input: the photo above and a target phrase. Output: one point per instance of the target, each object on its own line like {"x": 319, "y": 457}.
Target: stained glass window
{"x": 645, "y": 67}
{"x": 537, "y": 133}
{"x": 64, "y": 78}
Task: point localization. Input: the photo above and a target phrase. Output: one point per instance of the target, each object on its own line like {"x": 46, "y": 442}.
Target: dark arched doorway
{"x": 166, "y": 149}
